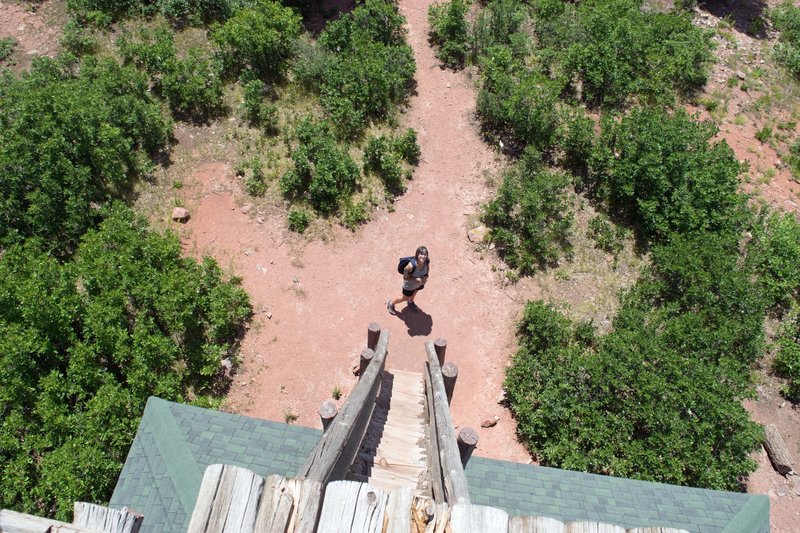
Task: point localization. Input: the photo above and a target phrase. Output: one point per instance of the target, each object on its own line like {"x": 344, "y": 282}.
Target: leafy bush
{"x": 259, "y": 37}
{"x": 775, "y": 252}
{"x": 500, "y": 24}
{"x": 192, "y": 85}
{"x": 75, "y": 39}
{"x": 85, "y": 343}
{"x": 517, "y": 102}
{"x": 7, "y": 45}
{"x": 606, "y": 236}
{"x": 448, "y": 31}
{"x": 529, "y": 217}
{"x": 617, "y": 51}
{"x": 257, "y": 111}
{"x": 787, "y": 359}
{"x": 369, "y": 68}
{"x": 383, "y": 156}
{"x": 764, "y": 134}
{"x": 659, "y": 168}
{"x": 355, "y": 214}
{"x": 298, "y": 220}
{"x": 256, "y": 184}
{"x": 70, "y": 142}
{"x": 179, "y": 11}
{"x": 658, "y": 398}
{"x": 786, "y": 19}
{"x": 323, "y": 172}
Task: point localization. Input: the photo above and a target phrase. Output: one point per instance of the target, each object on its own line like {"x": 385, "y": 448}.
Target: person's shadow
{"x": 417, "y": 321}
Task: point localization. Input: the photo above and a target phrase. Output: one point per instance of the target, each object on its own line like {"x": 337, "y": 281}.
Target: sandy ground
{"x": 315, "y": 299}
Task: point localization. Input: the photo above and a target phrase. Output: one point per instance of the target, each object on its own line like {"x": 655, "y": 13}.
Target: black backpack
{"x": 401, "y": 265}
{"x": 404, "y": 261}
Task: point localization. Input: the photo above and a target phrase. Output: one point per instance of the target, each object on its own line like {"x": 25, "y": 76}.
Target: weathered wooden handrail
{"x": 434, "y": 467}
{"x": 455, "y": 482}
{"x": 334, "y": 453}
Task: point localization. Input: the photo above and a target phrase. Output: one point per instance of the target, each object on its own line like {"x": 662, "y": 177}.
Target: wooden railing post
{"x": 440, "y": 345}
{"x": 467, "y": 440}
{"x": 449, "y": 375}
{"x": 373, "y": 332}
{"x": 455, "y": 482}
{"x": 366, "y": 356}
{"x": 327, "y": 412}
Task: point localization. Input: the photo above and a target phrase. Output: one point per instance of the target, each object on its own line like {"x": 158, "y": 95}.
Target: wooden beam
{"x": 432, "y": 444}
{"x": 333, "y": 455}
{"x": 535, "y": 524}
{"x": 227, "y": 500}
{"x": 455, "y": 482}
{"x": 289, "y": 505}
{"x": 373, "y": 334}
{"x": 93, "y": 516}
{"x": 14, "y": 522}
{"x": 467, "y": 518}
{"x": 327, "y": 412}
{"x": 777, "y": 450}
{"x": 398, "y": 511}
{"x": 593, "y": 527}
{"x": 351, "y": 506}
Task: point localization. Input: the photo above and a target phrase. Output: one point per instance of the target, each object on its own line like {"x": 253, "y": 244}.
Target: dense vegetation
{"x": 659, "y": 396}
{"x": 786, "y": 19}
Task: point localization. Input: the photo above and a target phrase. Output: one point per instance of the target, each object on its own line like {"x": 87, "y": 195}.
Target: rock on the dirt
{"x": 477, "y": 234}
{"x": 180, "y": 214}
{"x": 490, "y": 422}
{"x": 246, "y": 208}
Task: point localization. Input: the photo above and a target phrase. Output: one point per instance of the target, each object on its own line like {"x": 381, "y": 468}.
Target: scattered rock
{"x": 246, "y": 208}
{"x": 269, "y": 315}
{"x": 477, "y": 234}
{"x": 260, "y": 220}
{"x": 227, "y": 366}
{"x": 261, "y": 268}
{"x": 248, "y": 252}
{"x": 741, "y": 75}
{"x": 490, "y": 422}
{"x": 180, "y": 214}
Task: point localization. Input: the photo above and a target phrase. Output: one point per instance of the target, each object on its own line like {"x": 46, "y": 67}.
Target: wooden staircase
{"x": 393, "y": 453}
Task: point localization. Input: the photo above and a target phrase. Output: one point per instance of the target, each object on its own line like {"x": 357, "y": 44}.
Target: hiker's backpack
{"x": 404, "y": 261}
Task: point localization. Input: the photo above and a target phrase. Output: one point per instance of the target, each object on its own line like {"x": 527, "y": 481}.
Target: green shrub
{"x": 530, "y": 219}
{"x": 787, "y": 359}
{"x": 253, "y": 99}
{"x": 606, "y": 236}
{"x": 75, "y": 39}
{"x": 786, "y": 19}
{"x": 192, "y": 86}
{"x": 368, "y": 67}
{"x": 659, "y": 397}
{"x": 323, "y": 172}
{"x": 150, "y": 50}
{"x": 407, "y": 148}
{"x": 383, "y": 156}
{"x": 775, "y": 252}
{"x": 355, "y": 214}
{"x": 83, "y": 344}
{"x": 659, "y": 168}
{"x": 764, "y": 134}
{"x": 298, "y": 220}
{"x": 256, "y": 183}
{"x": 71, "y": 141}
{"x": 260, "y": 37}
{"x": 7, "y": 45}
{"x": 448, "y": 31}
{"x": 500, "y": 24}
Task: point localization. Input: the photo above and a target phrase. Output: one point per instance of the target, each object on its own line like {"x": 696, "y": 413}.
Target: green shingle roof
{"x": 176, "y": 442}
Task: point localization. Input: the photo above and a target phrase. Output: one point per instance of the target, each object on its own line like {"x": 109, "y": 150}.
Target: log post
{"x": 449, "y": 375}
{"x": 366, "y": 356}
{"x": 373, "y": 332}
{"x": 327, "y": 413}
{"x": 777, "y": 450}
{"x": 467, "y": 440}
{"x": 440, "y": 345}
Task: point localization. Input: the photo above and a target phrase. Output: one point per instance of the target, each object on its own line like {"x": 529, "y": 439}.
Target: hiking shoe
{"x": 390, "y": 307}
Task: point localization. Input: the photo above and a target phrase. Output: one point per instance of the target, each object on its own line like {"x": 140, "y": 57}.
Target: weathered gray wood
{"x": 327, "y": 412}
{"x": 351, "y": 506}
{"x": 93, "y": 516}
{"x": 227, "y": 500}
{"x": 455, "y": 482}
{"x": 14, "y": 522}
{"x": 363, "y": 362}
{"x": 449, "y": 375}
{"x": 467, "y": 518}
{"x": 655, "y": 530}
{"x": 398, "y": 511}
{"x": 373, "y": 333}
{"x": 290, "y": 505}
{"x": 777, "y": 451}
{"x": 467, "y": 440}
{"x": 592, "y": 527}
{"x": 535, "y": 524}
{"x": 434, "y": 465}
{"x": 334, "y": 453}
{"x": 440, "y": 345}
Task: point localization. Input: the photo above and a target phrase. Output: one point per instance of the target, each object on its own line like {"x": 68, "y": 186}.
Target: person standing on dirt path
{"x": 415, "y": 276}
